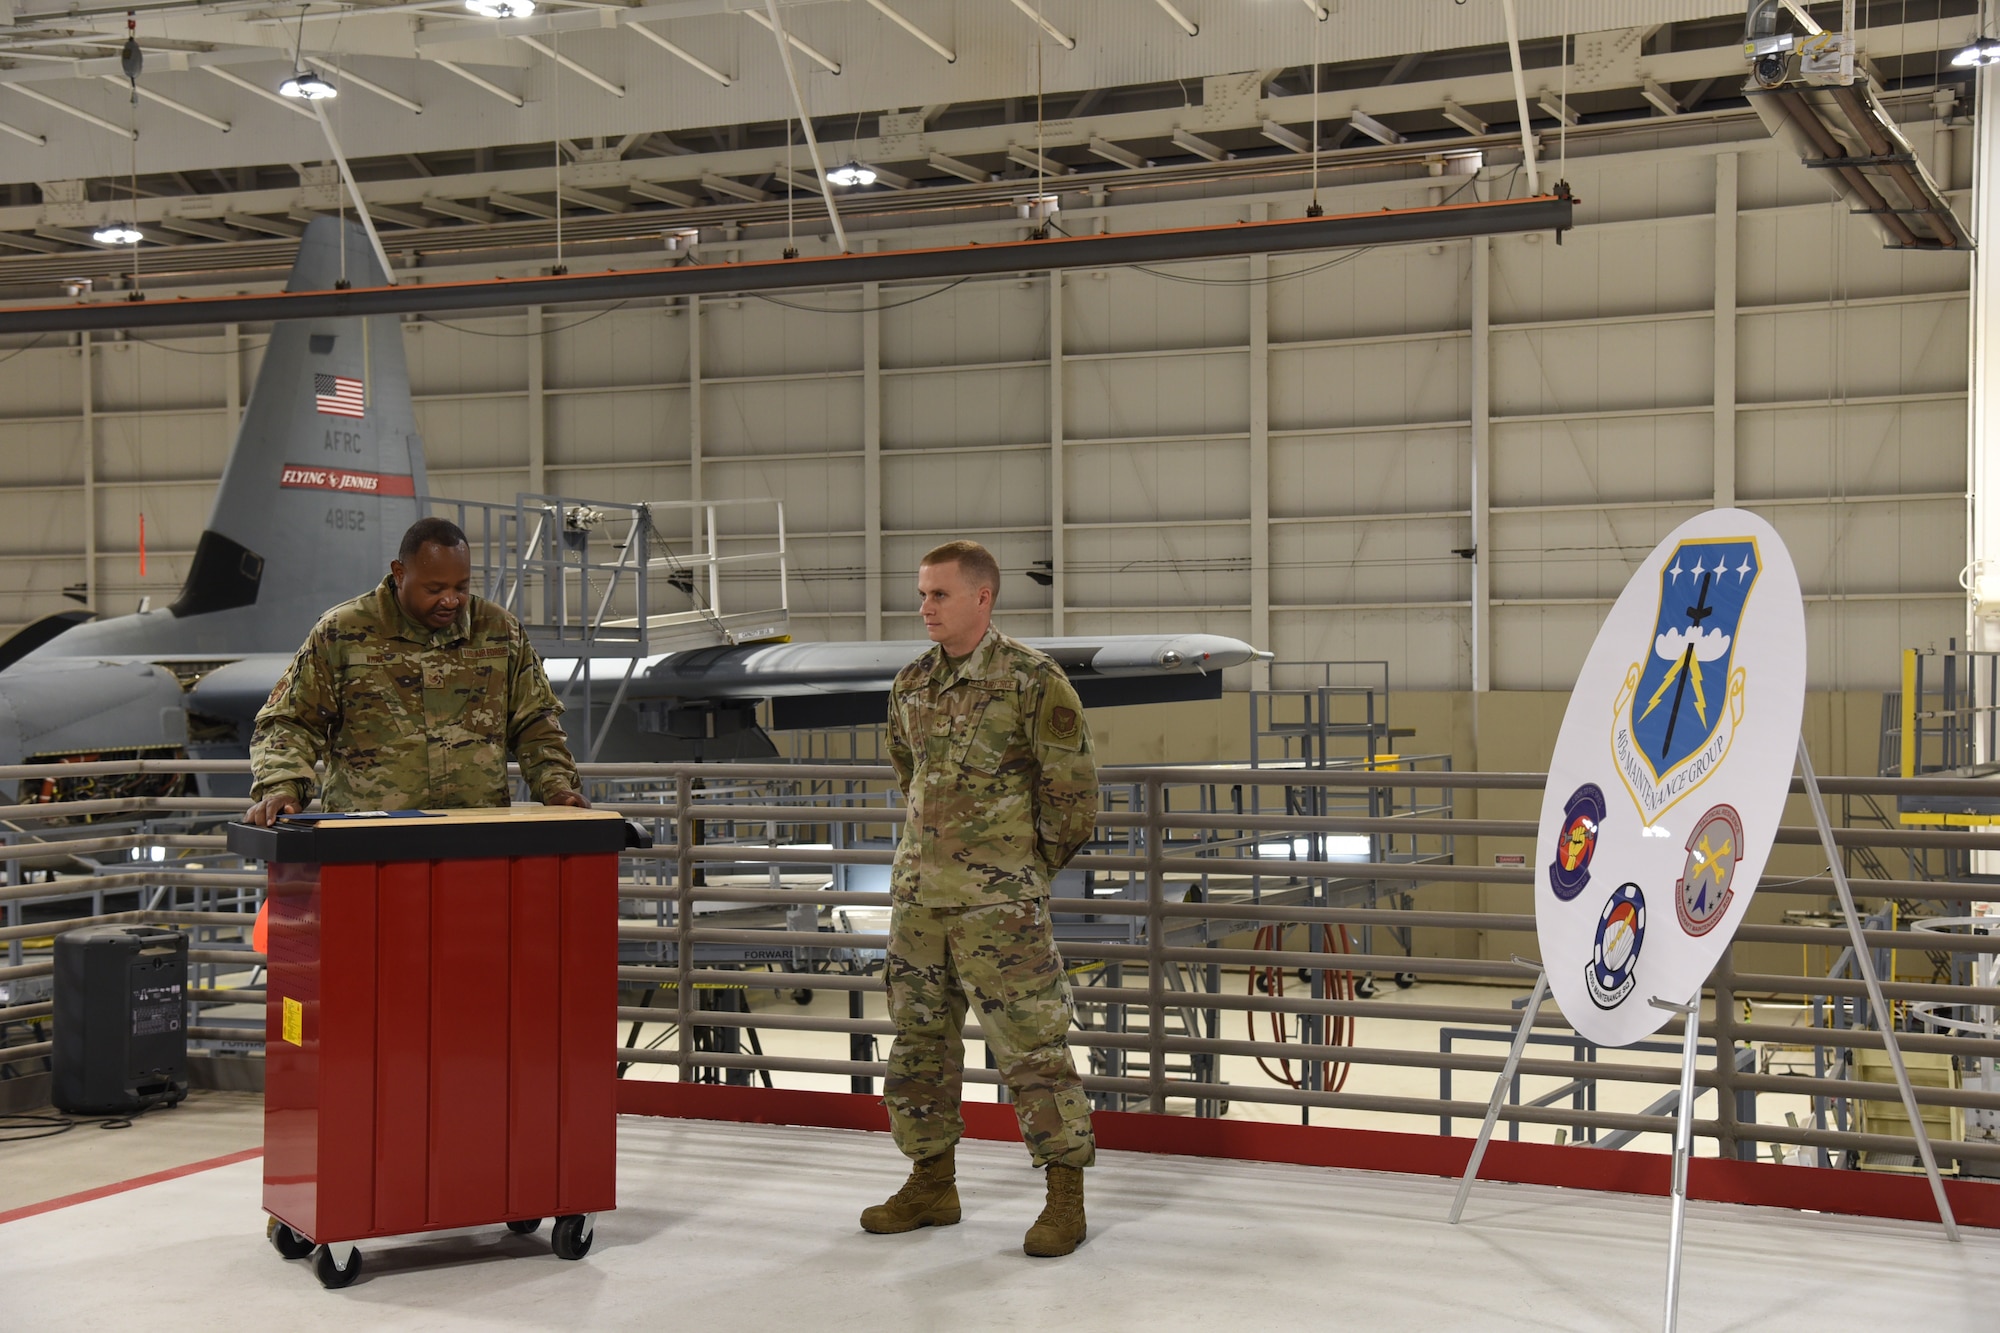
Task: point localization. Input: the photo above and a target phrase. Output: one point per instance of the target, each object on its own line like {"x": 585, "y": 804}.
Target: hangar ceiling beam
{"x": 812, "y": 53}
{"x": 228, "y": 76}
{"x": 1076, "y": 133}
{"x": 572, "y": 66}
{"x": 151, "y": 96}
{"x": 479, "y": 82}
{"x": 950, "y": 56}
{"x": 1104, "y": 250}
{"x": 660, "y": 194}
{"x": 269, "y": 226}
{"x": 1123, "y": 157}
{"x": 1034, "y": 11}
{"x": 122, "y": 131}
{"x": 345, "y": 75}
{"x": 1187, "y": 25}
{"x": 33, "y": 244}
{"x": 679, "y": 53}
{"x": 965, "y": 171}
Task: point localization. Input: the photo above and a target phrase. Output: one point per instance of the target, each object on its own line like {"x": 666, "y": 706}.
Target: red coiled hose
{"x": 1339, "y": 1027}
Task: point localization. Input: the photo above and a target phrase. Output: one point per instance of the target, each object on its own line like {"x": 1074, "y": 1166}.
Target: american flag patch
{"x": 338, "y": 396}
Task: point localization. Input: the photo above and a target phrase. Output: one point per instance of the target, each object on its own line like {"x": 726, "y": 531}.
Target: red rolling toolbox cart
{"x": 442, "y": 1003}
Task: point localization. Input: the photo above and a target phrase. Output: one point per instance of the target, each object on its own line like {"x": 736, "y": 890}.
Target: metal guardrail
{"x": 709, "y": 908}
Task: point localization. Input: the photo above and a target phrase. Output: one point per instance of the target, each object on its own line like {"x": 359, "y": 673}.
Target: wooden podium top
{"x": 434, "y": 835}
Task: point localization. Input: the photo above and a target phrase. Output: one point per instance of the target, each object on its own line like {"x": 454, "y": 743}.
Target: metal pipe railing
{"x": 1128, "y": 1019}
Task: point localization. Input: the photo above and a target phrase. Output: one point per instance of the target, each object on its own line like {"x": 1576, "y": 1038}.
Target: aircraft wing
{"x": 1113, "y": 667}
{"x": 781, "y": 670}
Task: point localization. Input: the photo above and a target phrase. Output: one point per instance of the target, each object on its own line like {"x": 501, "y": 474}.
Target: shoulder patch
{"x": 1060, "y": 723}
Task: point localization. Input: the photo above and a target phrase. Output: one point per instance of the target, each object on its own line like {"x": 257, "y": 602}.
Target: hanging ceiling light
{"x": 852, "y": 174}
{"x": 1985, "y": 51}
{"x": 308, "y": 87}
{"x": 117, "y": 233}
{"x": 501, "y": 9}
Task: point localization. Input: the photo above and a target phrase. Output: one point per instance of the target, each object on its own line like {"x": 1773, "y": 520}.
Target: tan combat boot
{"x": 929, "y": 1198}
{"x": 1060, "y": 1228}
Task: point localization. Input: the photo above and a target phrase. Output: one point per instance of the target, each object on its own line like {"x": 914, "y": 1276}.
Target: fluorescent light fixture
{"x": 501, "y": 9}
{"x": 851, "y": 174}
{"x": 117, "y": 233}
{"x": 308, "y": 87}
{"x": 1985, "y": 51}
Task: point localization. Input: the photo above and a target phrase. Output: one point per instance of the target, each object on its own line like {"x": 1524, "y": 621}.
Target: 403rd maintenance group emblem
{"x": 1621, "y": 934}
{"x": 1680, "y": 705}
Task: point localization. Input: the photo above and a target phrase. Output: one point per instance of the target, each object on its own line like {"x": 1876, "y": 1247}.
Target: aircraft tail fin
{"x": 320, "y": 485}
{"x": 327, "y": 465}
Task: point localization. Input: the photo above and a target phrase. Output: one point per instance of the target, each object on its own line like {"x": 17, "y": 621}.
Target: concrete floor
{"x": 752, "y": 1227}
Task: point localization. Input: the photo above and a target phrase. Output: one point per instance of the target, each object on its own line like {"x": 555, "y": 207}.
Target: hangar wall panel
{"x": 968, "y": 407}
{"x": 1160, "y": 396}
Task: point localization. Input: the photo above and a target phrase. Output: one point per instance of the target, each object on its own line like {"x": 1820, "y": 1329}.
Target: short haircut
{"x": 974, "y": 560}
{"x": 426, "y": 531}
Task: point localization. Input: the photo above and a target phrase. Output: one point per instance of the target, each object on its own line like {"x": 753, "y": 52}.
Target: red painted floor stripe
{"x": 137, "y": 1182}
{"x": 1857, "y": 1193}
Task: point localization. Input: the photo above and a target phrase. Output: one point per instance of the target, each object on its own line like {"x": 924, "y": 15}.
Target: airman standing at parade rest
{"x": 994, "y": 758}
{"x": 413, "y": 694}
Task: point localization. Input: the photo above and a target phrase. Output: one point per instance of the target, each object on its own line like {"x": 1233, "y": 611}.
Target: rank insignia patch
{"x": 1712, "y": 852}
{"x": 1614, "y": 961}
{"x": 1582, "y": 817}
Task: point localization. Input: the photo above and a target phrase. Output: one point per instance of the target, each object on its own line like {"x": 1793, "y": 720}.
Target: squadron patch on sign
{"x": 1582, "y": 817}
{"x": 1679, "y": 707}
{"x": 1713, "y": 849}
{"x": 1614, "y": 961}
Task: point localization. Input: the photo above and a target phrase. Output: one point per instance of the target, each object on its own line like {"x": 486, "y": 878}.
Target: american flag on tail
{"x": 339, "y": 396}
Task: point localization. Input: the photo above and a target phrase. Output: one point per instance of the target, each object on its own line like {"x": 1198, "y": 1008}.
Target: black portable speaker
{"x": 120, "y": 1019}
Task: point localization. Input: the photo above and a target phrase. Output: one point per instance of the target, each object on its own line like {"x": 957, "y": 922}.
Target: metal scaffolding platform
{"x": 614, "y": 581}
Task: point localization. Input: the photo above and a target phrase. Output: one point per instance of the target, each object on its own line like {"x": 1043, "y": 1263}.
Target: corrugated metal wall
{"x": 1851, "y": 373}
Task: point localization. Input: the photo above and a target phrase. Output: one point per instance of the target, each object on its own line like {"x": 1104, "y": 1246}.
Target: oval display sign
{"x": 1670, "y": 775}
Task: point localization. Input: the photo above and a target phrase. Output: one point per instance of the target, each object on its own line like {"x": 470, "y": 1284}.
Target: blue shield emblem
{"x": 1683, "y": 683}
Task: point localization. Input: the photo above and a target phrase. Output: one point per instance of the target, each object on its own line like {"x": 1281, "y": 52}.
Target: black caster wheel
{"x": 802, "y": 997}
{"x": 330, "y": 1274}
{"x": 527, "y": 1226}
{"x": 286, "y": 1241}
{"x": 1405, "y": 980}
{"x": 1364, "y": 989}
{"x": 1305, "y": 976}
{"x": 569, "y": 1239}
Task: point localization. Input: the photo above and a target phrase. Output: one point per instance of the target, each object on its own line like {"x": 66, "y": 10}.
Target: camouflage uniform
{"x": 995, "y": 763}
{"x": 408, "y": 717}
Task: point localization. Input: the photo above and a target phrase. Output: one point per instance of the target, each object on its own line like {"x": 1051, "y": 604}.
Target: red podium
{"x": 442, "y": 1003}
